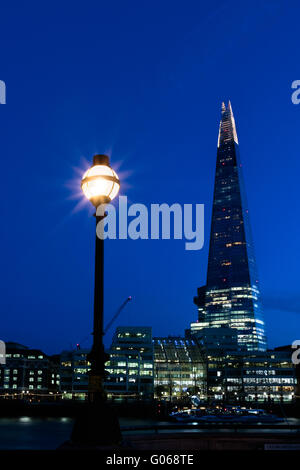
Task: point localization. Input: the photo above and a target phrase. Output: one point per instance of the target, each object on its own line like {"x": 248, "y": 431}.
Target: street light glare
{"x": 100, "y": 184}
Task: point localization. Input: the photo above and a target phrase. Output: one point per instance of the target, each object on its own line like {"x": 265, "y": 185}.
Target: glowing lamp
{"x": 100, "y": 183}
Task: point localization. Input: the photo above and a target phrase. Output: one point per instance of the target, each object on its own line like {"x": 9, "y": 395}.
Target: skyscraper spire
{"x": 231, "y": 294}
{"x": 227, "y": 129}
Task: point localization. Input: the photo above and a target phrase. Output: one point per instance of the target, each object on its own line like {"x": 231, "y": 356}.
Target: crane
{"x": 111, "y": 321}
{"x": 116, "y": 314}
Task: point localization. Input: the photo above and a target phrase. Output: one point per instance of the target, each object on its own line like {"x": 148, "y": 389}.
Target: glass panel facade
{"x": 232, "y": 296}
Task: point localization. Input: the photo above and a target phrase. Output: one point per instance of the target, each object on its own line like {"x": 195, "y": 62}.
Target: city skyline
{"x": 227, "y": 122}
{"x": 149, "y": 231}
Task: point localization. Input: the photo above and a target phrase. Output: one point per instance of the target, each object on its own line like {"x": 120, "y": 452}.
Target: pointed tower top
{"x": 227, "y": 129}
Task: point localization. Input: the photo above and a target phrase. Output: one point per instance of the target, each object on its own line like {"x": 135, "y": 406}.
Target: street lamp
{"x": 98, "y": 426}
{"x": 100, "y": 184}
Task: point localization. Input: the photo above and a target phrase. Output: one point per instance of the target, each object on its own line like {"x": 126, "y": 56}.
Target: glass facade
{"x": 231, "y": 296}
{"x": 179, "y": 368}
{"x": 251, "y": 377}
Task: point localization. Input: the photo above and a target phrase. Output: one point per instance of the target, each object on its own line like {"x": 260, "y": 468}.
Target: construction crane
{"x": 116, "y": 314}
{"x": 110, "y": 322}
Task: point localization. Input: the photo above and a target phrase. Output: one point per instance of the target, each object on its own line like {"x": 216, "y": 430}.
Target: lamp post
{"x": 100, "y": 184}
{"x": 98, "y": 425}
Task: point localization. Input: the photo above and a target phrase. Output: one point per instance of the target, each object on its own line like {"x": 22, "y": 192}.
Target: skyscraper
{"x": 231, "y": 295}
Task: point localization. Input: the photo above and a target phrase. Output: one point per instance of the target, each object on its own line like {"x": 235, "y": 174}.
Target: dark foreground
{"x": 48, "y": 427}
{"x": 27, "y": 433}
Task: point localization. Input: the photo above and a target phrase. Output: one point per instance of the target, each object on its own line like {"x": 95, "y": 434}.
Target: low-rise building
{"x": 74, "y": 368}
{"x": 129, "y": 370}
{"x": 130, "y": 367}
{"x": 179, "y": 368}
{"x": 27, "y": 373}
{"x": 235, "y": 374}
{"x": 139, "y": 367}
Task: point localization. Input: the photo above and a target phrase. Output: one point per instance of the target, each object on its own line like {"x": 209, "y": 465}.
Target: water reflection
{"x": 49, "y": 433}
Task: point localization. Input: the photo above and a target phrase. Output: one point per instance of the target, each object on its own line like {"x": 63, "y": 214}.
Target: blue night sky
{"x": 144, "y": 82}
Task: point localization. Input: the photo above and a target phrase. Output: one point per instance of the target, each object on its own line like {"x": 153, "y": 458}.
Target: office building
{"x": 231, "y": 295}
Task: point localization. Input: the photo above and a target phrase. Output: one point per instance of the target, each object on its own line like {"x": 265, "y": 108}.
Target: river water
{"x": 49, "y": 433}
{"x": 43, "y": 433}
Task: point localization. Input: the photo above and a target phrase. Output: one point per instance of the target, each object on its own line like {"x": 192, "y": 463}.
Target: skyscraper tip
{"x": 227, "y": 129}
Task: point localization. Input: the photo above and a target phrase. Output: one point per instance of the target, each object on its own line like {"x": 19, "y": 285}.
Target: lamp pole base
{"x": 96, "y": 392}
{"x": 96, "y": 425}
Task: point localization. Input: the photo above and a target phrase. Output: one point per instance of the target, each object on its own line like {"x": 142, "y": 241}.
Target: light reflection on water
{"x": 49, "y": 433}
{"x": 26, "y": 432}
{"x": 34, "y": 433}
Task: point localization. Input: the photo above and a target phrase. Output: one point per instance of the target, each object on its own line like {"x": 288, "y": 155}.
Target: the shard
{"x": 231, "y": 295}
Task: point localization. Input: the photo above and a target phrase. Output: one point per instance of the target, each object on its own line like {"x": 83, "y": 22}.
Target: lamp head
{"x": 100, "y": 183}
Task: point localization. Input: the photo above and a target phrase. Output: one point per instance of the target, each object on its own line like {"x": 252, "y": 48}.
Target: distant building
{"x": 139, "y": 368}
{"x": 179, "y": 368}
{"x": 130, "y": 367}
{"x": 27, "y": 373}
{"x": 74, "y": 368}
{"x": 54, "y": 374}
{"x": 235, "y": 374}
{"x": 230, "y": 327}
{"x": 209, "y": 363}
{"x": 289, "y": 350}
{"x": 231, "y": 295}
{"x": 129, "y": 371}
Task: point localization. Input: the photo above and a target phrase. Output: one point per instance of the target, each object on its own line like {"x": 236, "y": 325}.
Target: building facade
{"x": 28, "y": 373}
{"x": 237, "y": 375}
{"x": 74, "y": 368}
{"x": 130, "y": 366}
{"x": 230, "y": 327}
{"x": 129, "y": 370}
{"x": 179, "y": 368}
{"x": 231, "y": 296}
{"x": 139, "y": 368}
